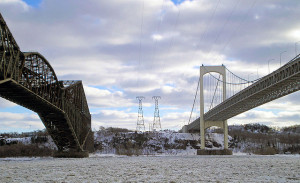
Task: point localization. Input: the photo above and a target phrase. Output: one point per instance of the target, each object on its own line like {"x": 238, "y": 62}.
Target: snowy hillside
{"x": 250, "y": 139}
{"x": 151, "y": 143}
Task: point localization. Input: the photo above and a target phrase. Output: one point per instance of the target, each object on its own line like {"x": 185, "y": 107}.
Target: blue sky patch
{"x": 33, "y": 3}
{"x": 111, "y": 89}
{"x": 177, "y": 2}
{"x": 17, "y": 109}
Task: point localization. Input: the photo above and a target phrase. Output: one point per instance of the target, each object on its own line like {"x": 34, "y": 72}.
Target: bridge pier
{"x": 225, "y": 129}
{"x": 202, "y": 132}
{"x": 71, "y": 154}
{"x": 206, "y": 124}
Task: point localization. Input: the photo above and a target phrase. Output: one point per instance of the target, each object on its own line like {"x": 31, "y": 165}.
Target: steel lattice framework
{"x": 29, "y": 80}
{"x": 140, "y": 124}
{"x": 156, "y": 121}
{"x": 279, "y": 83}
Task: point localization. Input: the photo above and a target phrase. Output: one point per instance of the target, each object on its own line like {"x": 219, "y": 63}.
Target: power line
{"x": 175, "y": 27}
{"x": 140, "y": 46}
{"x": 221, "y": 30}
{"x": 218, "y": 35}
{"x": 227, "y": 20}
{"x": 201, "y": 38}
{"x": 172, "y": 39}
{"x": 238, "y": 26}
{"x": 157, "y": 30}
{"x": 210, "y": 21}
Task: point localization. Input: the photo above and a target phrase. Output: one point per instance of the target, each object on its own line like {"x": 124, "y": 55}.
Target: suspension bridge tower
{"x": 140, "y": 125}
{"x": 156, "y": 121}
{"x": 206, "y": 124}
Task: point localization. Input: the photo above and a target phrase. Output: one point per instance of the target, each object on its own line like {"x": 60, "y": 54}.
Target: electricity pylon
{"x": 140, "y": 125}
{"x": 156, "y": 121}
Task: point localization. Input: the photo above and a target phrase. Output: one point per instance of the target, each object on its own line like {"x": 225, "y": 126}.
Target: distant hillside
{"x": 151, "y": 143}
{"x": 37, "y": 143}
{"x": 250, "y": 138}
{"x": 291, "y": 129}
{"x": 256, "y": 138}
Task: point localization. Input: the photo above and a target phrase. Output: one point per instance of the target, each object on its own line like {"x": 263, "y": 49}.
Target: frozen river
{"x": 169, "y": 169}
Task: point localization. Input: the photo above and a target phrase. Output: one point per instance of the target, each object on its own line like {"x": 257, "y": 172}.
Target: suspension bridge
{"x": 224, "y": 95}
{"x": 27, "y": 79}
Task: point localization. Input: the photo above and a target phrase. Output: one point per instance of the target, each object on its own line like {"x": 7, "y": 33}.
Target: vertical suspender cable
{"x": 194, "y": 100}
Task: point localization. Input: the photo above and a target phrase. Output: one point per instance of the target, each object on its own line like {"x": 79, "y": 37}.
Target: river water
{"x": 236, "y": 168}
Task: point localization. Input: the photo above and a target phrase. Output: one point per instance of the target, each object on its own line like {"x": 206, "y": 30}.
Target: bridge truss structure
{"x": 28, "y": 79}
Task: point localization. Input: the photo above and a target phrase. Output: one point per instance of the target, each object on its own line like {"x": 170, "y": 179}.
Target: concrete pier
{"x": 71, "y": 154}
{"x": 214, "y": 152}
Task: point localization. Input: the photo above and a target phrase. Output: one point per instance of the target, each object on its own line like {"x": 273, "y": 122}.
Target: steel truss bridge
{"x": 27, "y": 79}
{"x": 279, "y": 83}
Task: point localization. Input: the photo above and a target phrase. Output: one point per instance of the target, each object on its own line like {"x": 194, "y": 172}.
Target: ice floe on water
{"x": 115, "y": 168}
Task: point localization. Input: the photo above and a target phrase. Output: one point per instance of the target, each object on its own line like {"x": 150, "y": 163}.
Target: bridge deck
{"x": 53, "y": 118}
{"x": 21, "y": 95}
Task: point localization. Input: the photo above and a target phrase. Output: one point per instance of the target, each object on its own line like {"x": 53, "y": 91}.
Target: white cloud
{"x": 295, "y": 34}
{"x": 105, "y": 98}
{"x": 99, "y": 43}
{"x": 117, "y": 118}
{"x": 17, "y": 4}
{"x": 12, "y": 122}
{"x": 114, "y": 118}
{"x": 5, "y": 103}
{"x": 174, "y": 120}
{"x": 11, "y": 116}
{"x": 157, "y": 37}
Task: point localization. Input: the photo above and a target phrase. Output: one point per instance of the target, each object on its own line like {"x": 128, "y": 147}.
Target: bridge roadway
{"x": 28, "y": 79}
{"x": 279, "y": 83}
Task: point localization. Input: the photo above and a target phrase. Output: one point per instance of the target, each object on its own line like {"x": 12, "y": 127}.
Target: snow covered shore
{"x": 245, "y": 168}
{"x": 154, "y": 143}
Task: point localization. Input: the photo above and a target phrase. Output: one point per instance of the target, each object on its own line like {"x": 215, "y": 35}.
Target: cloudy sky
{"x": 121, "y": 49}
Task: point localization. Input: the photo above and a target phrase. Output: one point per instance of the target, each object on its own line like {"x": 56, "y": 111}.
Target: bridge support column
{"x": 225, "y": 129}
{"x": 202, "y": 133}
{"x": 202, "y": 124}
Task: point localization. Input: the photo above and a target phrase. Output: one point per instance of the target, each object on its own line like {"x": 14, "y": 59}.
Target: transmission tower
{"x": 156, "y": 121}
{"x": 140, "y": 126}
